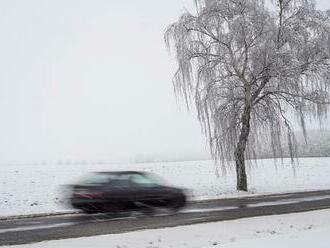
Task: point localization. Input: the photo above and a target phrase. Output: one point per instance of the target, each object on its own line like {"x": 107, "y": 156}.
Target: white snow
{"x": 303, "y": 230}
{"x": 29, "y": 189}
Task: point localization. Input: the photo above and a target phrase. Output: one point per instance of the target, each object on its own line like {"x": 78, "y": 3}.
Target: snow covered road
{"x": 28, "y": 230}
{"x": 303, "y": 230}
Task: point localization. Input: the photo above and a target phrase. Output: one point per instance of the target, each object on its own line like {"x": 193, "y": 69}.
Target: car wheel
{"x": 177, "y": 203}
{"x": 89, "y": 211}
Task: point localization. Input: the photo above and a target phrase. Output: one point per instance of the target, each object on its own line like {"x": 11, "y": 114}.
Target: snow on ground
{"x": 303, "y": 230}
{"x": 29, "y": 189}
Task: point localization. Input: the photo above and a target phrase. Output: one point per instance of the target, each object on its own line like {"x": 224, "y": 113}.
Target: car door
{"x": 144, "y": 190}
{"x": 118, "y": 189}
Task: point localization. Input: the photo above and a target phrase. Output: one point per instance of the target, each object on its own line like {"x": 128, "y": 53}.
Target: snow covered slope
{"x": 28, "y": 189}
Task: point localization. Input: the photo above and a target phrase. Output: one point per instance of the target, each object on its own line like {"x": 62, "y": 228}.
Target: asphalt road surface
{"x": 29, "y": 230}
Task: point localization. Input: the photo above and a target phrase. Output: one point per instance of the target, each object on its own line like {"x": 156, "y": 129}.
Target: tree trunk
{"x": 240, "y": 150}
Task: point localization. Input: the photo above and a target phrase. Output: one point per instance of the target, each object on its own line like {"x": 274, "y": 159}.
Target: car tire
{"x": 177, "y": 203}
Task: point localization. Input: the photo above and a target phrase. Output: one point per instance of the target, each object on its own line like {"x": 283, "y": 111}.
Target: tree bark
{"x": 240, "y": 149}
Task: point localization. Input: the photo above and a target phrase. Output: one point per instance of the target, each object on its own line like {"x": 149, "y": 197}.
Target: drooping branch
{"x": 233, "y": 53}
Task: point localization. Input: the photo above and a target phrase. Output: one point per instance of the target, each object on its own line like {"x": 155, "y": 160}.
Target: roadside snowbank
{"x": 303, "y": 230}
{"x": 28, "y": 189}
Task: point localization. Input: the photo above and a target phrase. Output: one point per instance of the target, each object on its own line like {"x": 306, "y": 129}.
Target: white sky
{"x": 85, "y": 79}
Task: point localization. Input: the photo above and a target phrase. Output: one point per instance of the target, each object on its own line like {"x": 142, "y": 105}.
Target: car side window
{"x": 142, "y": 181}
{"x": 120, "y": 181}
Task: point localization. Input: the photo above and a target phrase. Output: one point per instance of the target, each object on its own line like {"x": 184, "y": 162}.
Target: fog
{"x": 91, "y": 80}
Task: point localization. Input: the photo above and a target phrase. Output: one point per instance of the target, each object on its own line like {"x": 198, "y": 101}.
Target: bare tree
{"x": 245, "y": 64}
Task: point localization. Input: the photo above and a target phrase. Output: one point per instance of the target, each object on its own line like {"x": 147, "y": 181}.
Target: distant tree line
{"x": 318, "y": 145}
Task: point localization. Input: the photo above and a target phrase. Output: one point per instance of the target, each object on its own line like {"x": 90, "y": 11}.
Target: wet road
{"x": 30, "y": 230}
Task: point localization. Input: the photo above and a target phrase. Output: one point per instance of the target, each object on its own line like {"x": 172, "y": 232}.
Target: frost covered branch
{"x": 247, "y": 66}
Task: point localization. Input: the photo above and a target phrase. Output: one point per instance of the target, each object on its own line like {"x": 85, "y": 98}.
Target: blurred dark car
{"x": 124, "y": 191}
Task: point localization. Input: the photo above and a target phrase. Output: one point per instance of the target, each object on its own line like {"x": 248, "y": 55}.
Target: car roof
{"x": 121, "y": 172}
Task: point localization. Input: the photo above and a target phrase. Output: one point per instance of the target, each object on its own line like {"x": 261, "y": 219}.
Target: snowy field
{"x": 303, "y": 230}
{"x": 28, "y": 189}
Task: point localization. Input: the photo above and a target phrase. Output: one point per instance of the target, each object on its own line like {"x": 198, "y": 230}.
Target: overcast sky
{"x": 83, "y": 79}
